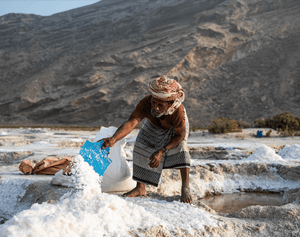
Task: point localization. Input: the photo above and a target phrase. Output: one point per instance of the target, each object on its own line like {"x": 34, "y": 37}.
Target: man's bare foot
{"x": 136, "y": 192}
{"x": 186, "y": 196}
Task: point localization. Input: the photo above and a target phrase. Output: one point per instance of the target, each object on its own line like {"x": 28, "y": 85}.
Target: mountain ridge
{"x": 91, "y": 65}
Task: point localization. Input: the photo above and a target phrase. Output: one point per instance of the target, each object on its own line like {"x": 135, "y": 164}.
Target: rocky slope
{"x": 91, "y": 65}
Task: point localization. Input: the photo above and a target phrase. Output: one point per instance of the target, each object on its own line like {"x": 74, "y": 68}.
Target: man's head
{"x": 167, "y": 96}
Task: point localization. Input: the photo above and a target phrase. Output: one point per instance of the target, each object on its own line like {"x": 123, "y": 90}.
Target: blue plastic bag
{"x": 95, "y": 156}
{"x": 259, "y": 134}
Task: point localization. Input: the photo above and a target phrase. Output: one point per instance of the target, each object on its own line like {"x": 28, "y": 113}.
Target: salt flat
{"x": 221, "y": 164}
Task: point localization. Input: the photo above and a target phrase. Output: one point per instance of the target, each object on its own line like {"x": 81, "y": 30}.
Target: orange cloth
{"x": 26, "y": 166}
{"x": 49, "y": 165}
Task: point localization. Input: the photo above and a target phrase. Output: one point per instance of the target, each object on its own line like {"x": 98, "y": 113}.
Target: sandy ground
{"x": 216, "y": 159}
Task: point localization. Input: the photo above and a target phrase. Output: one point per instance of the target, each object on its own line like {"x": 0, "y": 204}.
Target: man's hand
{"x": 110, "y": 142}
{"x": 156, "y": 158}
{"x": 121, "y": 132}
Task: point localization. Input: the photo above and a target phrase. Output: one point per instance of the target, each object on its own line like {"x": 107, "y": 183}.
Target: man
{"x": 162, "y": 139}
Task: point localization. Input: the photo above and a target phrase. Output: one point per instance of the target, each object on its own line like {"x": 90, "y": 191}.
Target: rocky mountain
{"x": 91, "y": 65}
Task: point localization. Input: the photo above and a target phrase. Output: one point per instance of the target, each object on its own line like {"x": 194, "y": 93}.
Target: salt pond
{"x": 232, "y": 202}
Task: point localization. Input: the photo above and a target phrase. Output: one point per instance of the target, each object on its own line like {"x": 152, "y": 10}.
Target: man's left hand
{"x": 156, "y": 158}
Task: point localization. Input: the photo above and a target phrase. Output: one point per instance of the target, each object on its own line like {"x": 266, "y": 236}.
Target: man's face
{"x": 159, "y": 106}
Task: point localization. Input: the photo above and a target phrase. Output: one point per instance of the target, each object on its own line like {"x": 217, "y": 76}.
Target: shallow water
{"x": 230, "y": 203}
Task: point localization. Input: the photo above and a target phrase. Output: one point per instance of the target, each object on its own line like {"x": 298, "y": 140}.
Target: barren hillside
{"x": 91, "y": 65}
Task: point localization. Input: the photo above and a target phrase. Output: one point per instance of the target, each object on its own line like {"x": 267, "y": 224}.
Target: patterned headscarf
{"x": 166, "y": 89}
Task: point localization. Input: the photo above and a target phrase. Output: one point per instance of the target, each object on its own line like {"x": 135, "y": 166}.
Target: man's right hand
{"x": 110, "y": 142}
{"x": 121, "y": 132}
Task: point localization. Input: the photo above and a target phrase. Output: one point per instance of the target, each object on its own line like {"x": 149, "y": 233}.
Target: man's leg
{"x": 139, "y": 190}
{"x": 185, "y": 188}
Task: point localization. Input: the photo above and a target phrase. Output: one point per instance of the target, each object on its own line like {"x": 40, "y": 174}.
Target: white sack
{"x": 118, "y": 176}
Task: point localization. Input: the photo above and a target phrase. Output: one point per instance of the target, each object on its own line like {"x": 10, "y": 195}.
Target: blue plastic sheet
{"x": 97, "y": 157}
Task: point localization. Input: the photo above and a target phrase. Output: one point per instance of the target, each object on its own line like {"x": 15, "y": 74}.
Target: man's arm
{"x": 178, "y": 137}
{"x": 121, "y": 132}
{"x": 158, "y": 155}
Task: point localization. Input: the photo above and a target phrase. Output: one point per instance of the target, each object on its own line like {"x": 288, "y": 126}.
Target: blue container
{"x": 95, "y": 156}
{"x": 259, "y": 134}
